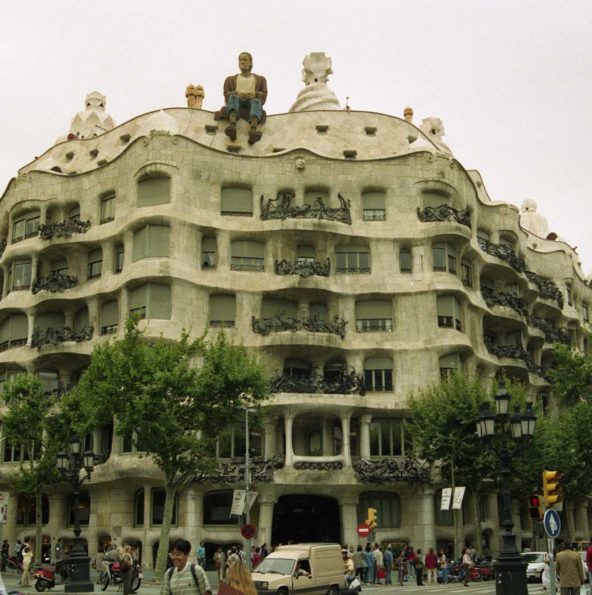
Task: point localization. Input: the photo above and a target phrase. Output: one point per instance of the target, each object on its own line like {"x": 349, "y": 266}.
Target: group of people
{"x": 23, "y": 555}
{"x": 126, "y": 555}
{"x": 223, "y": 559}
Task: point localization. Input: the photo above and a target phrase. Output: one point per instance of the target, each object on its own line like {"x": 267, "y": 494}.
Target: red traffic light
{"x": 535, "y": 502}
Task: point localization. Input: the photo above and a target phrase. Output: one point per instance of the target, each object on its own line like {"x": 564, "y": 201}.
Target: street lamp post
{"x": 510, "y": 569}
{"x": 247, "y": 486}
{"x": 76, "y": 468}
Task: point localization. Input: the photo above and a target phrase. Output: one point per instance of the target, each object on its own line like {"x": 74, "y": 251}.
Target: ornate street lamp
{"x": 76, "y": 468}
{"x": 510, "y": 570}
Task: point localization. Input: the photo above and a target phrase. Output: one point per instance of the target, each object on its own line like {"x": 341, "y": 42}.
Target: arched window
{"x": 387, "y": 505}
{"x": 154, "y": 190}
{"x": 107, "y": 207}
{"x": 95, "y": 263}
{"x": 374, "y": 315}
{"x": 236, "y": 201}
{"x": 25, "y": 225}
{"x": 222, "y": 311}
{"x": 216, "y": 507}
{"x": 378, "y": 373}
{"x": 139, "y": 508}
{"x": 373, "y": 205}
{"x": 119, "y": 257}
{"x": 109, "y": 317}
{"x": 19, "y": 275}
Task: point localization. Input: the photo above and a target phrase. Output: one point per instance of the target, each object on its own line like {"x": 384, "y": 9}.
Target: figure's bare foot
{"x": 230, "y": 131}
{"x": 254, "y": 136}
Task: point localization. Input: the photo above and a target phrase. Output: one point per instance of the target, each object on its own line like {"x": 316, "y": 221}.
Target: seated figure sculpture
{"x": 245, "y": 93}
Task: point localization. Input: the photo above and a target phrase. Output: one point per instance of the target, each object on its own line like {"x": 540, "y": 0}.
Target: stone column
{"x": 269, "y": 426}
{"x": 327, "y": 437}
{"x": 7, "y": 279}
{"x": 9, "y": 531}
{"x": 31, "y": 325}
{"x": 424, "y": 518}
{"x": 581, "y": 519}
{"x": 365, "y": 436}
{"x": 35, "y": 268}
{"x": 223, "y": 250}
{"x": 348, "y": 506}
{"x": 288, "y": 423}
{"x": 418, "y": 257}
{"x": 108, "y": 249}
{"x": 146, "y": 546}
{"x": 94, "y": 314}
{"x": 266, "y": 504}
{"x": 194, "y": 516}
{"x": 345, "y": 449}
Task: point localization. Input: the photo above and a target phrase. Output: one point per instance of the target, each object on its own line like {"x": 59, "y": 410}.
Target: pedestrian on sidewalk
{"x": 239, "y": 578}
{"x": 431, "y": 564}
{"x": 27, "y": 553}
{"x": 184, "y": 578}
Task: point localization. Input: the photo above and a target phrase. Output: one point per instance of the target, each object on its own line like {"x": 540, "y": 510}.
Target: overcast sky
{"x": 511, "y": 79}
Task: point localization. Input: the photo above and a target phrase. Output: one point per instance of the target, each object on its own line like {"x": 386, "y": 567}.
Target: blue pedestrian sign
{"x": 552, "y": 523}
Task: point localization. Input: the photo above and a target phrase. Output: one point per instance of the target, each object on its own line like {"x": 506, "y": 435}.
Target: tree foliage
{"x": 571, "y": 375}
{"x": 172, "y": 398}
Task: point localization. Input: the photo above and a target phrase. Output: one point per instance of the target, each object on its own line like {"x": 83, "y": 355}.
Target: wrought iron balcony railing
{"x": 511, "y": 351}
{"x": 233, "y": 471}
{"x": 342, "y": 384}
{"x": 504, "y": 253}
{"x": 547, "y": 289}
{"x": 389, "y": 469}
{"x": 51, "y": 336}
{"x": 13, "y": 343}
{"x": 54, "y": 282}
{"x": 444, "y": 213}
{"x": 280, "y": 322}
{"x": 304, "y": 268}
{"x": 283, "y": 207}
{"x": 63, "y": 229}
{"x": 506, "y": 299}
{"x": 553, "y": 334}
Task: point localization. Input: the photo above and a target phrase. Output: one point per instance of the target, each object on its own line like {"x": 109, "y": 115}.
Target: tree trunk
{"x": 38, "y": 526}
{"x": 165, "y": 530}
{"x": 476, "y": 498}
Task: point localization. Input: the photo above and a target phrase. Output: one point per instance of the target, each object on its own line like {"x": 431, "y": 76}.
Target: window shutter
{"x": 236, "y": 200}
{"x": 159, "y": 301}
{"x": 139, "y": 248}
{"x": 271, "y": 307}
{"x": 157, "y": 240}
{"x": 154, "y": 191}
{"x": 433, "y": 199}
{"x": 373, "y": 200}
{"x": 248, "y": 249}
{"x": 54, "y": 320}
{"x": 222, "y": 307}
{"x": 110, "y": 313}
{"x": 374, "y": 309}
{"x": 378, "y": 363}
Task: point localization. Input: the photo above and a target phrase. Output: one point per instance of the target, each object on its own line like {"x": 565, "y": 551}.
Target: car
{"x": 536, "y": 565}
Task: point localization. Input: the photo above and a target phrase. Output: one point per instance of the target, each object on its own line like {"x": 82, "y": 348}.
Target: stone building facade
{"x": 350, "y": 250}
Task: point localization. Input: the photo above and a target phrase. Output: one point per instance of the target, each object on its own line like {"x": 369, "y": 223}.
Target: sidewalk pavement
{"x": 149, "y": 584}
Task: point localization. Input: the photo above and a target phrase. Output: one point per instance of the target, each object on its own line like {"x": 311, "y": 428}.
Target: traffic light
{"x": 551, "y": 488}
{"x": 372, "y": 521}
{"x": 535, "y": 505}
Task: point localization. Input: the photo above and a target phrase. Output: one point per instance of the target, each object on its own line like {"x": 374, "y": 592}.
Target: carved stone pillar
{"x": 270, "y": 444}
{"x": 266, "y": 504}
{"x": 365, "y": 436}
{"x": 424, "y": 523}
{"x": 146, "y": 550}
{"x": 194, "y": 515}
{"x": 327, "y": 438}
{"x": 348, "y": 506}
{"x": 345, "y": 448}
{"x": 288, "y": 424}
{"x": 31, "y": 324}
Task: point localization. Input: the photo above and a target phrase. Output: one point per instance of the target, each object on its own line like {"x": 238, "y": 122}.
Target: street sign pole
{"x": 552, "y": 524}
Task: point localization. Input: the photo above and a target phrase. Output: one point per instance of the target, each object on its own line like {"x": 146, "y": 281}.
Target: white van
{"x": 311, "y": 568}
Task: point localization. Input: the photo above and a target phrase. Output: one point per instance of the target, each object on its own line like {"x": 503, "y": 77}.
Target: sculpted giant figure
{"x": 245, "y": 93}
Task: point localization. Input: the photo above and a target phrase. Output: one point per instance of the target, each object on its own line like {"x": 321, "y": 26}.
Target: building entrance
{"x": 305, "y": 518}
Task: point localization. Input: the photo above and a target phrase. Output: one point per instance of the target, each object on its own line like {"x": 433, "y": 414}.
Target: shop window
{"x": 208, "y": 252}
{"x": 373, "y": 205}
{"x": 247, "y": 255}
{"x": 108, "y": 207}
{"x": 378, "y": 373}
{"x": 25, "y": 226}
{"x": 374, "y": 315}
{"x": 236, "y": 201}
{"x": 14, "y": 331}
{"x": 95, "y": 264}
{"x": 151, "y": 300}
{"x": 109, "y": 317}
{"x": 353, "y": 258}
{"x": 449, "y": 312}
{"x": 151, "y": 241}
{"x": 154, "y": 190}
{"x": 405, "y": 260}
{"x": 387, "y": 505}
{"x": 222, "y": 311}
{"x": 158, "y": 500}
{"x": 444, "y": 257}
{"x": 216, "y": 507}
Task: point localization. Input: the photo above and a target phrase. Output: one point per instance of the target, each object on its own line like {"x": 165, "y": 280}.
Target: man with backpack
{"x": 184, "y": 578}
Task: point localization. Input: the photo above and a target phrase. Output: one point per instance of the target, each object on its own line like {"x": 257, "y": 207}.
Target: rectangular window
{"x": 379, "y": 380}
{"x": 467, "y": 274}
{"x": 26, "y": 226}
{"x": 405, "y": 262}
{"x": 108, "y": 209}
{"x": 374, "y": 214}
{"x": 585, "y": 313}
{"x": 154, "y": 191}
{"x": 95, "y": 264}
{"x": 449, "y": 312}
{"x": 21, "y": 275}
{"x": 353, "y": 262}
{"x": 236, "y": 201}
{"x": 151, "y": 241}
{"x": 387, "y": 438}
{"x": 119, "y": 258}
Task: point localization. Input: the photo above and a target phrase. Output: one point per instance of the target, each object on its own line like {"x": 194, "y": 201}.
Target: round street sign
{"x": 363, "y": 530}
{"x": 248, "y": 531}
{"x": 552, "y": 523}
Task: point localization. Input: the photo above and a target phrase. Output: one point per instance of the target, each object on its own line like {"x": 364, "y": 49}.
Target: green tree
{"x": 571, "y": 375}
{"x": 172, "y": 398}
{"x": 27, "y": 422}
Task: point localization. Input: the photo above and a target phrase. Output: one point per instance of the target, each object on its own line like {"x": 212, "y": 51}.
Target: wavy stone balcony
{"x": 508, "y": 300}
{"x": 51, "y": 336}
{"x": 343, "y": 384}
{"x": 280, "y": 322}
{"x": 503, "y": 252}
{"x": 304, "y": 268}
{"x": 2, "y": 247}
{"x": 63, "y": 229}
{"x": 283, "y": 208}
{"x": 553, "y": 334}
{"x": 54, "y": 282}
{"x": 444, "y": 213}
{"x": 547, "y": 289}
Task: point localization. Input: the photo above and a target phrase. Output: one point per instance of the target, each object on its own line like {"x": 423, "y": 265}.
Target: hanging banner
{"x": 446, "y": 497}
{"x": 238, "y": 502}
{"x": 459, "y": 494}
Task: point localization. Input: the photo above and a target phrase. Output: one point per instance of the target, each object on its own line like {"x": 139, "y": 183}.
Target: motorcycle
{"x": 486, "y": 570}
{"x": 456, "y": 573}
{"x": 46, "y": 577}
{"x": 115, "y": 576}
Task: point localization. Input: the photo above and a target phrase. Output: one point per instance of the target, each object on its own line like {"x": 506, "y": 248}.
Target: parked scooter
{"x": 115, "y": 577}
{"x": 47, "y": 576}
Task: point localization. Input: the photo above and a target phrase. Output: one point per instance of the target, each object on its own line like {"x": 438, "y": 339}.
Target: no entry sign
{"x": 363, "y": 530}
